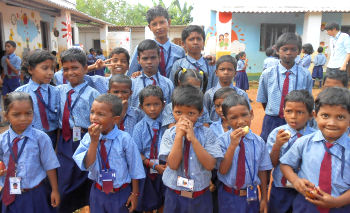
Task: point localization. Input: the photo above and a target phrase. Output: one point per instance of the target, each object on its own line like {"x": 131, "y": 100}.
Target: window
{"x": 97, "y": 44}
{"x": 270, "y": 32}
{"x": 44, "y": 35}
{"x": 345, "y": 29}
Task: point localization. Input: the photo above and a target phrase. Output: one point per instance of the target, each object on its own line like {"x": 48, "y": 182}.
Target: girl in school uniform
{"x": 29, "y": 158}
{"x": 307, "y": 49}
{"x": 241, "y": 76}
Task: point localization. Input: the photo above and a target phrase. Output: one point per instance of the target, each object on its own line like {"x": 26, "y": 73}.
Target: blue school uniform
{"x": 100, "y": 72}
{"x": 151, "y": 188}
{"x": 168, "y": 117}
{"x": 132, "y": 117}
{"x": 143, "y": 80}
{"x": 37, "y": 158}
{"x": 306, "y": 61}
{"x": 175, "y": 202}
{"x": 270, "y": 92}
{"x": 50, "y": 96}
{"x": 201, "y": 65}
{"x": 217, "y": 128}
{"x": 281, "y": 197}
{"x": 11, "y": 79}
{"x": 72, "y": 182}
{"x": 306, "y": 155}
{"x": 123, "y": 157}
{"x": 172, "y": 53}
{"x": 270, "y": 62}
{"x": 241, "y": 77}
{"x": 58, "y": 78}
{"x": 319, "y": 60}
{"x": 257, "y": 159}
{"x": 209, "y": 103}
{"x": 98, "y": 82}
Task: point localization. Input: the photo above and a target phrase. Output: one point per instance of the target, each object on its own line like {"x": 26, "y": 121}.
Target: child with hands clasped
{"x": 322, "y": 158}
{"x": 245, "y": 163}
{"x": 29, "y": 157}
{"x": 111, "y": 157}
{"x": 191, "y": 152}
{"x": 298, "y": 106}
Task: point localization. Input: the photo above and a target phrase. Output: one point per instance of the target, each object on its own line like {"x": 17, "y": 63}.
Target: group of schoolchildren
{"x": 121, "y": 144}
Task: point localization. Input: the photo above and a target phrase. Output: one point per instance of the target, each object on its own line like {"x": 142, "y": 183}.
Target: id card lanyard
{"x": 144, "y": 78}
{"x": 342, "y": 159}
{"x": 249, "y": 170}
{"x": 19, "y": 153}
{"x": 71, "y": 107}
{"x": 278, "y": 79}
{"x": 101, "y": 161}
{"x": 157, "y": 139}
{"x": 47, "y": 106}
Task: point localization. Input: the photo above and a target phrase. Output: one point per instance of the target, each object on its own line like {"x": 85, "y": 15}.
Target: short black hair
{"x": 99, "y": 52}
{"x": 147, "y": 44}
{"x": 269, "y": 51}
{"x": 233, "y": 100}
{"x": 331, "y": 26}
{"x": 156, "y": 11}
{"x": 182, "y": 75}
{"x": 113, "y": 101}
{"x": 302, "y": 96}
{"x": 151, "y": 90}
{"x": 226, "y": 58}
{"x": 16, "y": 96}
{"x": 92, "y": 50}
{"x": 333, "y": 96}
{"x": 187, "y": 95}
{"x": 35, "y": 57}
{"x": 308, "y": 49}
{"x": 288, "y": 38}
{"x": 121, "y": 79}
{"x": 120, "y": 50}
{"x": 239, "y": 55}
{"x": 337, "y": 74}
{"x": 190, "y": 29}
{"x": 12, "y": 43}
{"x": 223, "y": 92}
{"x": 320, "y": 49}
{"x": 74, "y": 54}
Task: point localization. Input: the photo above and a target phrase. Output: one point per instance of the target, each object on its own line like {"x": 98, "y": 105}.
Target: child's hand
{"x": 180, "y": 127}
{"x": 135, "y": 74}
{"x": 323, "y": 199}
{"x": 7, "y": 61}
{"x": 263, "y": 205}
{"x": 94, "y": 132}
{"x": 302, "y": 185}
{"x": 2, "y": 168}
{"x": 3, "y": 172}
{"x": 212, "y": 186}
{"x": 282, "y": 137}
{"x": 189, "y": 129}
{"x": 211, "y": 59}
{"x": 99, "y": 64}
{"x": 236, "y": 135}
{"x": 55, "y": 198}
{"x": 131, "y": 204}
{"x": 160, "y": 168}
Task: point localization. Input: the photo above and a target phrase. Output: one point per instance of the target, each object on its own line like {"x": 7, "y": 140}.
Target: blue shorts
{"x": 317, "y": 72}
{"x": 10, "y": 84}
{"x": 269, "y": 124}
{"x": 281, "y": 199}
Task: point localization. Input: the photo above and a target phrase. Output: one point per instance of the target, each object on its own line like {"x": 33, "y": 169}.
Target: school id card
{"x": 76, "y": 133}
{"x": 151, "y": 170}
{"x": 185, "y": 182}
{"x": 252, "y": 193}
{"x": 15, "y": 185}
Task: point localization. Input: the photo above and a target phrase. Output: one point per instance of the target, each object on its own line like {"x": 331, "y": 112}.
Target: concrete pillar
{"x": 311, "y": 30}
{"x": 76, "y": 34}
{"x": 103, "y": 39}
{"x": 64, "y": 26}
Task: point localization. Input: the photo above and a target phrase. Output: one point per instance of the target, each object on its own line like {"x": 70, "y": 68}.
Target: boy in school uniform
{"x": 317, "y": 72}
{"x": 193, "y": 38}
{"x": 298, "y": 109}
{"x": 11, "y": 65}
{"x": 149, "y": 59}
{"x": 191, "y": 153}
{"x": 322, "y": 158}
{"x": 112, "y": 159}
{"x": 120, "y": 86}
{"x": 335, "y": 78}
{"x": 159, "y": 23}
{"x": 276, "y": 82}
{"x": 76, "y": 99}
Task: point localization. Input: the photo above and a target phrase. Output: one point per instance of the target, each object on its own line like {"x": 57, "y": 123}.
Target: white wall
{"x": 346, "y": 19}
{"x": 86, "y": 38}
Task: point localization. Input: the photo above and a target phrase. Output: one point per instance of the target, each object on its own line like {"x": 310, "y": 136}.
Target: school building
{"x": 253, "y": 26}
{"x": 46, "y": 24}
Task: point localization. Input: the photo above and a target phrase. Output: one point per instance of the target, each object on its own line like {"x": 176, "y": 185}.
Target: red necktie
{"x": 284, "y": 179}
{"x": 154, "y": 81}
{"x": 154, "y": 151}
{"x": 66, "y": 132}
{"x": 284, "y": 93}
{"x": 107, "y": 186}
{"x": 9, "y": 71}
{"x": 186, "y": 155}
{"x": 121, "y": 125}
{"x": 7, "y": 198}
{"x": 240, "y": 175}
{"x": 42, "y": 110}
{"x": 162, "y": 62}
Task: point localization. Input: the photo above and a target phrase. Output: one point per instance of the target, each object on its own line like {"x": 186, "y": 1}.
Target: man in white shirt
{"x": 340, "y": 47}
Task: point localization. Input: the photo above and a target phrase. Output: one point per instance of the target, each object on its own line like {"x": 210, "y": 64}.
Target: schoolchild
{"x": 29, "y": 158}
{"x": 307, "y": 50}
{"x": 111, "y": 157}
{"x": 245, "y": 163}
{"x": 317, "y": 72}
{"x": 60, "y": 78}
{"x": 276, "y": 82}
{"x": 147, "y": 136}
{"x": 76, "y": 99}
{"x": 335, "y": 78}
{"x": 241, "y": 77}
{"x": 321, "y": 159}
{"x": 271, "y": 59}
{"x": 298, "y": 107}
{"x": 148, "y": 57}
{"x": 40, "y": 65}
{"x": 225, "y": 71}
{"x": 190, "y": 150}
{"x": 193, "y": 38}
{"x": 120, "y": 85}
{"x": 159, "y": 23}
{"x": 100, "y": 56}
{"x": 11, "y": 65}
{"x": 221, "y": 126}
{"x": 192, "y": 77}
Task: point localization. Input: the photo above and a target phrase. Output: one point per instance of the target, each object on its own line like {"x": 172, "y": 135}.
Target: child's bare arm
{"x": 175, "y": 155}
{"x": 55, "y": 195}
{"x": 300, "y": 184}
{"x": 133, "y": 198}
{"x": 325, "y": 200}
{"x": 263, "y": 187}
{"x": 94, "y": 131}
{"x": 282, "y": 137}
